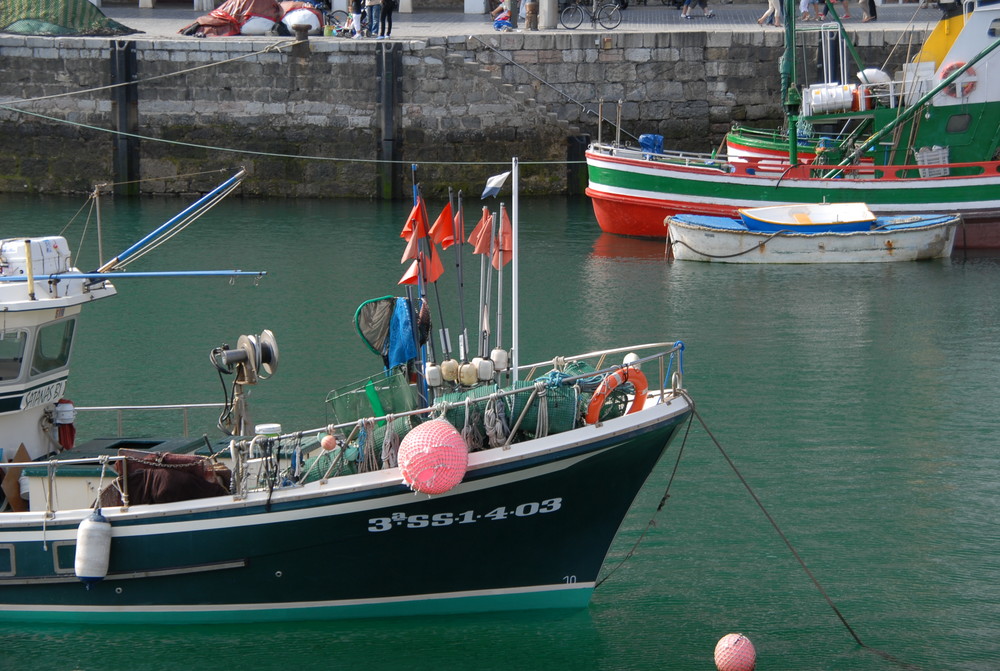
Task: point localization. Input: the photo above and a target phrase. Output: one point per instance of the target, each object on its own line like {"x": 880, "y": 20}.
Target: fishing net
{"x": 57, "y": 17}
{"x": 386, "y": 393}
{"x": 560, "y": 404}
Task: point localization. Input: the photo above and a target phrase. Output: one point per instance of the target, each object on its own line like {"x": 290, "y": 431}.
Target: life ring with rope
{"x": 968, "y": 84}
{"x": 628, "y": 374}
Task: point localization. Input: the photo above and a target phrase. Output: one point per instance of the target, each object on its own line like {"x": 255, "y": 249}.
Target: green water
{"x": 859, "y": 403}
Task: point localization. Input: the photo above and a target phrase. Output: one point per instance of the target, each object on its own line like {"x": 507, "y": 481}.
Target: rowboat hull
{"x": 720, "y": 240}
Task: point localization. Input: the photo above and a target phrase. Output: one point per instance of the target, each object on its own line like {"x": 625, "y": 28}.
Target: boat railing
{"x": 120, "y": 410}
{"x": 255, "y": 463}
{"x": 684, "y": 158}
{"x": 669, "y": 379}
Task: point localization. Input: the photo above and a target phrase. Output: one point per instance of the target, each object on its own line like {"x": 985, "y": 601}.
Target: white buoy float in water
{"x": 735, "y": 652}
{"x": 93, "y": 548}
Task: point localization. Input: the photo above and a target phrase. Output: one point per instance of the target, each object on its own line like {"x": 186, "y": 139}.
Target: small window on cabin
{"x": 12, "y": 345}
{"x": 959, "y": 123}
{"x": 7, "y": 565}
{"x": 994, "y": 28}
{"x": 52, "y": 347}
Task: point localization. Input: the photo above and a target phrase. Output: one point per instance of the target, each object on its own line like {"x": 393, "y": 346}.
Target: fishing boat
{"x": 820, "y": 233}
{"x": 921, "y": 140}
{"x": 444, "y": 484}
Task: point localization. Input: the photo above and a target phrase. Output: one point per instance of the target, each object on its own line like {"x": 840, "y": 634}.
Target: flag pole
{"x": 458, "y": 235}
{"x": 484, "y": 324}
{"x": 414, "y": 315}
{"x": 514, "y": 270}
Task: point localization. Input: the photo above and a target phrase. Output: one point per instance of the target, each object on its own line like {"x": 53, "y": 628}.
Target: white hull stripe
{"x": 293, "y": 605}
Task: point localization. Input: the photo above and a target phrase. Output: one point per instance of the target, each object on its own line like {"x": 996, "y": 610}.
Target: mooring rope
{"x": 795, "y": 553}
{"x": 773, "y": 522}
{"x": 728, "y": 256}
{"x": 652, "y": 520}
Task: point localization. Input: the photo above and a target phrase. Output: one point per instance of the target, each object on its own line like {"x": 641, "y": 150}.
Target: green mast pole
{"x": 789, "y": 89}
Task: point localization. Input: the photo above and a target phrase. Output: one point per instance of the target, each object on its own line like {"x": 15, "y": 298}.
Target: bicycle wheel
{"x": 609, "y": 16}
{"x": 337, "y": 18}
{"x": 571, "y": 17}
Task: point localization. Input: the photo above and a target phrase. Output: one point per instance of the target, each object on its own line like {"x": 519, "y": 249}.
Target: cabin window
{"x": 959, "y": 123}
{"x": 52, "y": 347}
{"x": 7, "y": 566}
{"x": 994, "y": 28}
{"x": 64, "y": 556}
{"x": 12, "y": 345}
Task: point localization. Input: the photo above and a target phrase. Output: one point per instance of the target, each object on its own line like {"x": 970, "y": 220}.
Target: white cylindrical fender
{"x": 93, "y": 548}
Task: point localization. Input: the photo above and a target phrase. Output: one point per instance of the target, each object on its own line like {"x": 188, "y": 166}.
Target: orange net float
{"x": 628, "y": 374}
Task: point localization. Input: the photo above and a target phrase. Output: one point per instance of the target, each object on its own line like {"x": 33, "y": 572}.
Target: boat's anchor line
{"x": 659, "y": 507}
{"x": 788, "y": 543}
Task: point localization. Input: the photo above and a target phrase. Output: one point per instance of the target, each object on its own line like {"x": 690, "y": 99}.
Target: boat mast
{"x": 790, "y": 96}
{"x": 515, "y": 264}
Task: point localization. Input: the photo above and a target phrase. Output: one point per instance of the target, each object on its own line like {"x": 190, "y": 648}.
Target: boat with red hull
{"x": 924, "y": 140}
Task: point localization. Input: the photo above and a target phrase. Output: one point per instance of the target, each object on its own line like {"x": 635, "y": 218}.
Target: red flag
{"x": 458, "y": 234}
{"x": 442, "y": 232}
{"x": 504, "y": 245}
{"x": 480, "y": 236}
{"x": 417, "y": 221}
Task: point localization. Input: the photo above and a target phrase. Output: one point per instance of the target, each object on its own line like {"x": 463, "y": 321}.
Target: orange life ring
{"x": 968, "y": 85}
{"x": 628, "y": 374}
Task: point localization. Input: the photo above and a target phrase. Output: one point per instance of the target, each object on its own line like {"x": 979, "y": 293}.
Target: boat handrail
{"x": 120, "y": 410}
{"x": 675, "y": 382}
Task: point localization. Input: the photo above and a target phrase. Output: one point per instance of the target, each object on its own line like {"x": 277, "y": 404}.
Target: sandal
{"x": 846, "y": 16}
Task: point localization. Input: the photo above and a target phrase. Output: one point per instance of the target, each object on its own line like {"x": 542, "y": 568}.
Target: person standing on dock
{"x": 356, "y": 8}
{"x": 374, "y": 10}
{"x": 385, "y": 23}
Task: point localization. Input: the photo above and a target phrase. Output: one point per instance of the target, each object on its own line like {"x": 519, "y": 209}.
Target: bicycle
{"x": 608, "y": 15}
{"x": 339, "y": 19}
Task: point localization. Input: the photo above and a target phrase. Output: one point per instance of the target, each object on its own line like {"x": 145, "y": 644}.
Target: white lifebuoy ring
{"x": 968, "y": 84}
{"x": 627, "y": 374}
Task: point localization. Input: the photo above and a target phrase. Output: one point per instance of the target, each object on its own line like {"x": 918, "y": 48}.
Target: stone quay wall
{"x": 335, "y": 117}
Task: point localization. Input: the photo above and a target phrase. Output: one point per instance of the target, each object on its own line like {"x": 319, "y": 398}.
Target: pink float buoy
{"x": 433, "y": 457}
{"x": 735, "y": 652}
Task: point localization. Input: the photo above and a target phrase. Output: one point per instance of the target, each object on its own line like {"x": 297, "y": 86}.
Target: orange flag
{"x": 415, "y": 222}
{"x": 412, "y": 248}
{"x": 429, "y": 268}
{"x": 410, "y": 276}
{"x": 480, "y": 236}
{"x": 442, "y": 232}
{"x": 504, "y": 245}
{"x": 459, "y": 230}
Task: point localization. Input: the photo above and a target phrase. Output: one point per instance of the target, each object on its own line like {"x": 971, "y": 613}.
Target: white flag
{"x": 494, "y": 183}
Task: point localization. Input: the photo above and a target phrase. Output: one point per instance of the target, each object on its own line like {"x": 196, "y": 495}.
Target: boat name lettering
{"x": 397, "y": 520}
{"x": 50, "y": 393}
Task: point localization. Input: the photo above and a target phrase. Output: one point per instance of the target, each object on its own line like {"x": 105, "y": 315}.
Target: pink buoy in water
{"x": 735, "y": 652}
{"x": 433, "y": 457}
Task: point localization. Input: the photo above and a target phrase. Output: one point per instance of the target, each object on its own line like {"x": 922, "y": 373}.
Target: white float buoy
{"x": 93, "y": 548}
{"x": 735, "y": 652}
